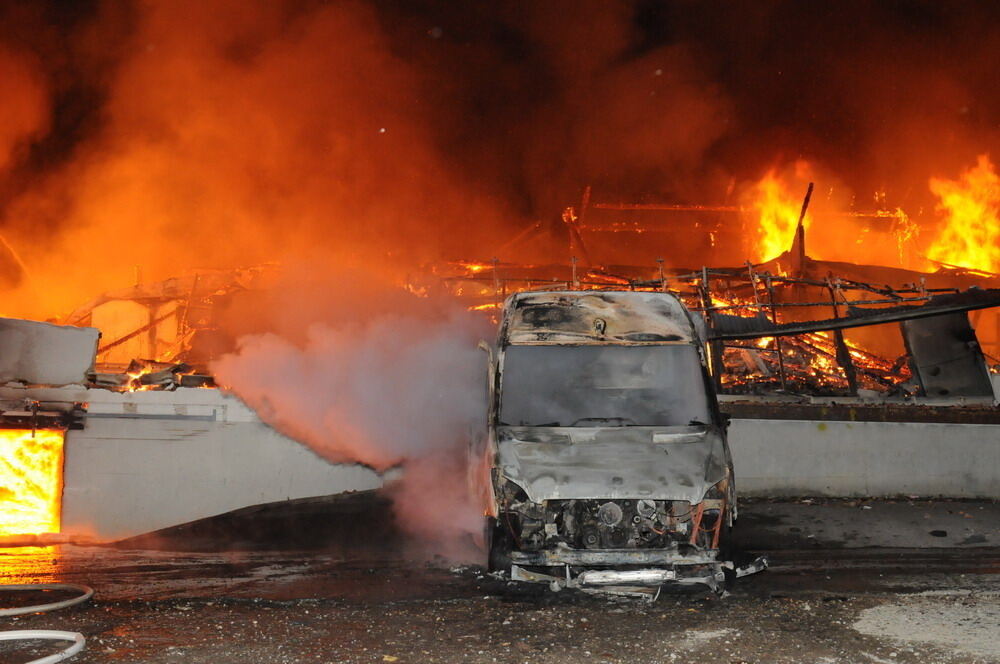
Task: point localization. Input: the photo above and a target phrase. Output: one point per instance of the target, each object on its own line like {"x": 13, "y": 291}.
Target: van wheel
{"x": 500, "y": 545}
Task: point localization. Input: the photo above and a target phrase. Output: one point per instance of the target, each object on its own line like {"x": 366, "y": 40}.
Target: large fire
{"x": 971, "y": 235}
{"x": 968, "y": 237}
{"x": 776, "y": 210}
{"x": 31, "y": 477}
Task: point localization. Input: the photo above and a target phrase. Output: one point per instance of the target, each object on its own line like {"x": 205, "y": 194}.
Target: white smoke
{"x": 398, "y": 389}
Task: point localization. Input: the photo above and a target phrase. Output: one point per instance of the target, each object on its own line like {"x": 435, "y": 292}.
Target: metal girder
{"x": 735, "y": 327}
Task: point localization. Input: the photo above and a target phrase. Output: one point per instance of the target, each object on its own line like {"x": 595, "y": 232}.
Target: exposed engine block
{"x": 602, "y": 524}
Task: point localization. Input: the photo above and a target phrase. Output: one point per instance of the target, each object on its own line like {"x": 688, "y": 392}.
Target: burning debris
{"x": 758, "y": 322}
{"x": 789, "y": 324}
{"x": 810, "y": 363}
{"x": 152, "y": 375}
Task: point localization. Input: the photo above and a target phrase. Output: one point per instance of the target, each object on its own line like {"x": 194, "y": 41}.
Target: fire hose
{"x": 47, "y": 634}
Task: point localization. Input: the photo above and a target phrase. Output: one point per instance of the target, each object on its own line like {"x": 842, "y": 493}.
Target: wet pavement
{"x": 817, "y": 603}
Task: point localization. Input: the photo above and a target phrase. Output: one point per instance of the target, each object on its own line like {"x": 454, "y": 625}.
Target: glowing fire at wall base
{"x": 31, "y": 477}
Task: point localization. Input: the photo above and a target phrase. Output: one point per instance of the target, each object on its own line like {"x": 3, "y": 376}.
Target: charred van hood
{"x": 659, "y": 463}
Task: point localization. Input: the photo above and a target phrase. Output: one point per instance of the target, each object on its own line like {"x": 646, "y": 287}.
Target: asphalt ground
{"x": 850, "y": 581}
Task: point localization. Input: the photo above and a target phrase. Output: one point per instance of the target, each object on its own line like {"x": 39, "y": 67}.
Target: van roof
{"x": 592, "y": 317}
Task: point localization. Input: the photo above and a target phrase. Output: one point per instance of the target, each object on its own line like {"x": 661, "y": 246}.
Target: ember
{"x": 810, "y": 364}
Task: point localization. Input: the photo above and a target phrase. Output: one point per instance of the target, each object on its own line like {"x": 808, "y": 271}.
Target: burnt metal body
{"x": 607, "y": 461}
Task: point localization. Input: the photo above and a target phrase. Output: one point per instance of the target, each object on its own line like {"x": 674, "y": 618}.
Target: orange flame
{"x": 971, "y": 235}
{"x": 777, "y": 210}
{"x": 135, "y": 380}
{"x": 475, "y": 268}
{"x": 30, "y": 481}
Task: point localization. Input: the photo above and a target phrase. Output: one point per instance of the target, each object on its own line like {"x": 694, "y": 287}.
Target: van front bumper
{"x": 559, "y": 556}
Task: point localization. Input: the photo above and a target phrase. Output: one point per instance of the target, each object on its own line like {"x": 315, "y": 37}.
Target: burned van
{"x": 607, "y": 458}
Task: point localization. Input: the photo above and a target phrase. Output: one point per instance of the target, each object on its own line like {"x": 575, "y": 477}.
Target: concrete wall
{"x": 148, "y": 460}
{"x": 809, "y": 458}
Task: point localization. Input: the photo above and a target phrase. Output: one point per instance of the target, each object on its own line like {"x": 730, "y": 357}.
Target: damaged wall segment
{"x": 45, "y": 354}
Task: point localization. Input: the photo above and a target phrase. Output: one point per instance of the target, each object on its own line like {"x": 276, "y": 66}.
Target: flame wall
{"x": 170, "y": 135}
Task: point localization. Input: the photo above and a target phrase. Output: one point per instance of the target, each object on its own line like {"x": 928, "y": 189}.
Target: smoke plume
{"x": 385, "y": 388}
{"x": 23, "y": 115}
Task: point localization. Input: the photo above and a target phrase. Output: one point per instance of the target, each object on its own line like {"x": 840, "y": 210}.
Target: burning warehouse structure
{"x": 779, "y": 325}
{"x": 863, "y": 352}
